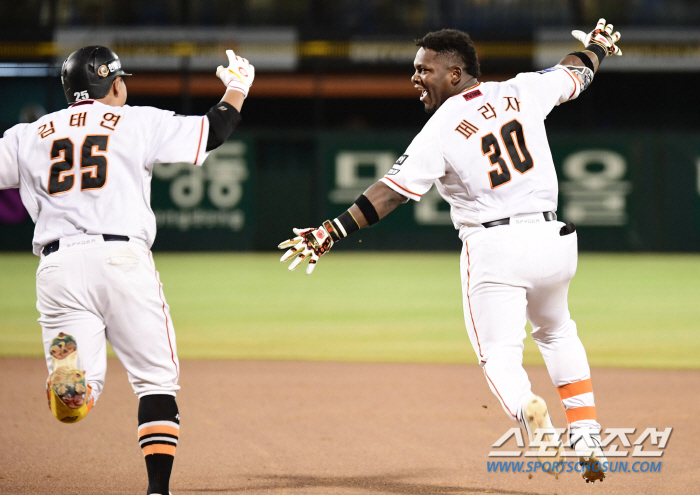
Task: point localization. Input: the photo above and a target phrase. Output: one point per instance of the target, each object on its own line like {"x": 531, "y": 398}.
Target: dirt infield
{"x": 329, "y": 428}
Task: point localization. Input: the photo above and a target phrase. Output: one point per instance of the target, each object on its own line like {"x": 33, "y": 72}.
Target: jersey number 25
{"x": 514, "y": 140}
{"x": 94, "y": 167}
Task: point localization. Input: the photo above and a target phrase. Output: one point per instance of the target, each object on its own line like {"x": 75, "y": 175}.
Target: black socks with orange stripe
{"x": 159, "y": 429}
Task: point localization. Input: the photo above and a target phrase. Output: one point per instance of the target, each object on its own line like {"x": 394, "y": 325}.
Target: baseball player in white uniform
{"x": 485, "y": 148}
{"x": 84, "y": 175}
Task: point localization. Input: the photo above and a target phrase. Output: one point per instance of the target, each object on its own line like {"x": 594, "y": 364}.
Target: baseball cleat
{"x": 590, "y": 455}
{"x": 67, "y": 389}
{"x": 536, "y": 418}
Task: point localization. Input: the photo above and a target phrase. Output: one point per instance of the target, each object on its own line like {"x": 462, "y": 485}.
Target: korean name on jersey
{"x": 87, "y": 169}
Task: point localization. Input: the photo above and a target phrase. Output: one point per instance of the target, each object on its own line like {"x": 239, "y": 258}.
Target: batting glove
{"x": 238, "y": 75}
{"x": 602, "y": 36}
{"x": 309, "y": 243}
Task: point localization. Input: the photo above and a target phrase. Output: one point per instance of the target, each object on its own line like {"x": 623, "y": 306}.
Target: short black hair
{"x": 453, "y": 42}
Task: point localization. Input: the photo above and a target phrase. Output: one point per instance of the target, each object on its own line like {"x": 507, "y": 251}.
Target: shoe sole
{"x": 67, "y": 380}
{"x": 588, "y": 474}
{"x": 535, "y": 414}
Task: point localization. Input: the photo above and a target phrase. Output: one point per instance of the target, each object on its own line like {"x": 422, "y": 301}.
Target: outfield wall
{"x": 625, "y": 192}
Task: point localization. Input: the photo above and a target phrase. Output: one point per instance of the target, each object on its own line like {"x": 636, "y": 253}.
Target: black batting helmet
{"x": 89, "y": 73}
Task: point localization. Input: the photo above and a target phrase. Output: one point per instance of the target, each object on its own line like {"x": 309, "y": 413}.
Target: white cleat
{"x": 536, "y": 417}
{"x": 590, "y": 455}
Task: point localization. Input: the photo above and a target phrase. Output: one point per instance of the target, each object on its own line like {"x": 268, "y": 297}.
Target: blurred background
{"x": 332, "y": 107}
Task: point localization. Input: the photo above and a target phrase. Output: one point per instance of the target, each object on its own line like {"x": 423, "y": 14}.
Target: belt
{"x": 52, "y": 247}
{"x": 548, "y": 217}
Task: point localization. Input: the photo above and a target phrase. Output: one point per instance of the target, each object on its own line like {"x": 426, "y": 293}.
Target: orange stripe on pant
{"x": 580, "y": 413}
{"x": 577, "y": 388}
{"x": 159, "y": 448}
{"x": 148, "y": 430}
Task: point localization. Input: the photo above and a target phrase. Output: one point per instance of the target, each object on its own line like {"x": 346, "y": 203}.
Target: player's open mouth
{"x": 423, "y": 95}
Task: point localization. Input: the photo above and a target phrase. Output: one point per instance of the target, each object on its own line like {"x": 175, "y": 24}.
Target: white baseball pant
{"x": 518, "y": 271}
{"x": 100, "y": 291}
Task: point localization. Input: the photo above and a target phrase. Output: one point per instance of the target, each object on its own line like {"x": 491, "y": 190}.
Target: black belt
{"x": 548, "y": 217}
{"x": 52, "y": 247}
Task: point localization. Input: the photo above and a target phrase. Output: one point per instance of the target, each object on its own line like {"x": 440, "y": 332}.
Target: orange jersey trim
{"x": 469, "y": 301}
{"x": 401, "y": 187}
{"x": 167, "y": 325}
{"x": 159, "y": 448}
{"x": 577, "y": 388}
{"x": 580, "y": 413}
{"x": 201, "y": 133}
{"x": 499, "y": 396}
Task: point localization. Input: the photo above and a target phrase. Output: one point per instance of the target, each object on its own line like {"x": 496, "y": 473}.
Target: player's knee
{"x": 549, "y": 332}
{"x": 68, "y": 393}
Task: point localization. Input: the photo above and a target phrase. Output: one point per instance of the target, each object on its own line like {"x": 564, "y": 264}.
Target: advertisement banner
{"x": 209, "y": 207}
{"x": 599, "y": 179}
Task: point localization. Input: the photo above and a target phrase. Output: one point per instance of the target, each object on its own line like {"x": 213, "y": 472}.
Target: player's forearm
{"x": 383, "y": 199}
{"x": 376, "y": 203}
{"x": 223, "y": 119}
{"x": 576, "y": 61}
{"x": 234, "y": 98}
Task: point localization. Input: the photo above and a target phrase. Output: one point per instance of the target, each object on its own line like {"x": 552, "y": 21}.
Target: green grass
{"x": 631, "y": 310}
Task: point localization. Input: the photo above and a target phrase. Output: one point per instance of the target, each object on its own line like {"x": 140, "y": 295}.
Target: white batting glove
{"x": 238, "y": 75}
{"x": 309, "y": 243}
{"x": 602, "y": 36}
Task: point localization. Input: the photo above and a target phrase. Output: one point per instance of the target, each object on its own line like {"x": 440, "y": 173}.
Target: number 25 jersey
{"x": 486, "y": 149}
{"x": 87, "y": 169}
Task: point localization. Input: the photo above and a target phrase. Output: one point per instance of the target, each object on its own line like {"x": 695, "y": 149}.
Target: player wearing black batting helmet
{"x": 89, "y": 72}
{"x": 91, "y": 166}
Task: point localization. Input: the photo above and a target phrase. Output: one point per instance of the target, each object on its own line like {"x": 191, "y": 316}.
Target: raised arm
{"x": 225, "y": 115}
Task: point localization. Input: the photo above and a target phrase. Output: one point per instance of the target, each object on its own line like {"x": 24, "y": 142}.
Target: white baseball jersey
{"x": 87, "y": 169}
{"x": 486, "y": 149}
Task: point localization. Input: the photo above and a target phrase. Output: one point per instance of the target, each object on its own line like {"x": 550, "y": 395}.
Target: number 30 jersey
{"x": 486, "y": 149}
{"x": 87, "y": 169}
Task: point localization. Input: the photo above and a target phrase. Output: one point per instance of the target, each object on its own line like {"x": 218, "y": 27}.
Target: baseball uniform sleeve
{"x": 550, "y": 87}
{"x": 420, "y": 166}
{"x": 9, "y": 166}
{"x": 177, "y": 138}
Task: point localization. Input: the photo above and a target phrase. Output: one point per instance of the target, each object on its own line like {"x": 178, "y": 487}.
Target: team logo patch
{"x": 103, "y": 71}
{"x": 401, "y": 159}
{"x": 473, "y": 94}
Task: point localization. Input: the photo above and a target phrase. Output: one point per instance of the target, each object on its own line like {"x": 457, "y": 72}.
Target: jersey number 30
{"x": 93, "y": 167}
{"x": 514, "y": 140}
